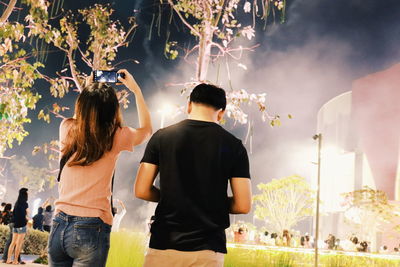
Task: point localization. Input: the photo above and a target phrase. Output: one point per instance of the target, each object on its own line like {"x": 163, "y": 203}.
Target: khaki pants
{"x": 175, "y": 258}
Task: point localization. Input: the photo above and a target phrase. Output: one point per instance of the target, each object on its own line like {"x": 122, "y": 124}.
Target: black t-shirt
{"x": 38, "y": 221}
{"x": 196, "y": 159}
{"x": 6, "y": 217}
{"x": 19, "y": 214}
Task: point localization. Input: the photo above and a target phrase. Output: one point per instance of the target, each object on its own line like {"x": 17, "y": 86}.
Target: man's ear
{"x": 189, "y": 107}
{"x": 220, "y": 114}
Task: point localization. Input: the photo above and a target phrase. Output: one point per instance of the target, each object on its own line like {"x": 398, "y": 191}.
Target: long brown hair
{"x": 97, "y": 118}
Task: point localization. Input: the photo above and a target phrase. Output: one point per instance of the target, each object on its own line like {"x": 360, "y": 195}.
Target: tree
{"x": 215, "y": 25}
{"x": 33, "y": 178}
{"x": 368, "y": 210}
{"x": 18, "y": 73}
{"x": 17, "y": 76}
{"x": 99, "y": 51}
{"x": 284, "y": 202}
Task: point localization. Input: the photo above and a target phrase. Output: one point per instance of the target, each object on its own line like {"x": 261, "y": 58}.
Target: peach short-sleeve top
{"x": 85, "y": 191}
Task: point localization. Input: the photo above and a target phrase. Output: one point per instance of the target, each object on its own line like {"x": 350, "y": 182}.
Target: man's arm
{"x": 240, "y": 202}
{"x": 144, "y": 188}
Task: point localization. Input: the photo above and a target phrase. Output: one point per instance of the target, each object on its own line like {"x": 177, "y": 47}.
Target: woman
{"x": 92, "y": 141}
{"x": 6, "y": 214}
{"x": 20, "y": 219}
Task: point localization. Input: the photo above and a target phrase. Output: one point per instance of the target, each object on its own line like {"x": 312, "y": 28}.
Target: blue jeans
{"x": 20, "y": 230}
{"x": 78, "y": 241}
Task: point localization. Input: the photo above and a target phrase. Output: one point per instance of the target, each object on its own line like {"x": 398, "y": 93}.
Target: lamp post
{"x": 165, "y": 111}
{"x": 319, "y": 138}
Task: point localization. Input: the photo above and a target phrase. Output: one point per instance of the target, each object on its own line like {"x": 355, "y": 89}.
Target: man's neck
{"x": 201, "y": 117}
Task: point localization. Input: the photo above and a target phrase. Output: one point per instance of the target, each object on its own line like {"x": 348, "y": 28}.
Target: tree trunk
{"x": 206, "y": 38}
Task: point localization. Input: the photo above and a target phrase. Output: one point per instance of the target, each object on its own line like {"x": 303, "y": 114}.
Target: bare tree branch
{"x": 8, "y": 11}
{"x": 71, "y": 59}
{"x": 171, "y": 3}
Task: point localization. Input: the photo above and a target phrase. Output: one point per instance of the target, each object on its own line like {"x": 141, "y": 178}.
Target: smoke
{"x": 301, "y": 65}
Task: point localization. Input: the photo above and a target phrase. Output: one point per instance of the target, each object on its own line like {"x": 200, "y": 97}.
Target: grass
{"x": 128, "y": 248}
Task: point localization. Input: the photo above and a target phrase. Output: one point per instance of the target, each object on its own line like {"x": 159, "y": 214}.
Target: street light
{"x": 319, "y": 138}
{"x": 166, "y": 110}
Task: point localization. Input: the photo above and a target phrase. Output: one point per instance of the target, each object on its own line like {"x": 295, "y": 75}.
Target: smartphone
{"x": 106, "y": 76}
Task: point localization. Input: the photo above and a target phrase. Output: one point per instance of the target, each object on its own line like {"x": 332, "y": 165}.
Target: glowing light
{"x": 35, "y": 206}
{"x": 166, "y": 110}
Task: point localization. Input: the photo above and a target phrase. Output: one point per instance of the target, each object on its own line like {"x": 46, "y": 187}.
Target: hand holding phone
{"x": 127, "y": 79}
{"x": 106, "y": 76}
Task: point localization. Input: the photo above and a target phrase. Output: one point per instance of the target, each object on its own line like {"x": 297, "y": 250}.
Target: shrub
{"x": 35, "y": 241}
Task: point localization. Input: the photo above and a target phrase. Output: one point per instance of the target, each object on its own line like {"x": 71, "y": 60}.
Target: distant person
{"x": 90, "y": 144}
{"x": 275, "y": 241}
{"x": 48, "y": 217}
{"x": 3, "y": 205}
{"x": 119, "y": 214}
{"x": 330, "y": 242}
{"x": 6, "y": 215}
{"x": 363, "y": 246}
{"x": 38, "y": 220}
{"x": 241, "y": 235}
{"x": 48, "y": 214}
{"x": 286, "y": 238}
{"x": 383, "y": 250}
{"x": 20, "y": 219}
{"x": 196, "y": 159}
{"x": 7, "y": 220}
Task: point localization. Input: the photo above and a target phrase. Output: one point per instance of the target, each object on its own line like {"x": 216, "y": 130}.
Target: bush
{"x": 35, "y": 241}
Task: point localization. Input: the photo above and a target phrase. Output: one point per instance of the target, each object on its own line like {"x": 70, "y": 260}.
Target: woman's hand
{"x": 128, "y": 81}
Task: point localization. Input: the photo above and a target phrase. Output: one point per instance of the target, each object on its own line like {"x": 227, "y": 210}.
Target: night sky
{"x": 315, "y": 55}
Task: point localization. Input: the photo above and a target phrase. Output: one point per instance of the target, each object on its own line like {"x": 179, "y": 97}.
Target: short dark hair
{"x": 210, "y": 95}
{"x": 8, "y": 207}
{"x": 40, "y": 210}
{"x": 48, "y": 208}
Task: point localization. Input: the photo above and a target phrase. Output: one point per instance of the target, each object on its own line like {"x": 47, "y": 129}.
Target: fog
{"x": 301, "y": 65}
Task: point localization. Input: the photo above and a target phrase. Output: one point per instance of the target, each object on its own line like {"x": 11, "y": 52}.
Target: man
{"x": 196, "y": 158}
{"x": 38, "y": 220}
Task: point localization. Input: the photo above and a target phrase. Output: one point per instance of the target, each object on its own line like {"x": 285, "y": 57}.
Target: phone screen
{"x": 105, "y": 76}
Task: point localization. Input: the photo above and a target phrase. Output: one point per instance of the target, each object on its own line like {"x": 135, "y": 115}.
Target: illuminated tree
{"x": 368, "y": 210}
{"x": 215, "y": 25}
{"x": 284, "y": 202}
{"x": 98, "y": 52}
{"x": 17, "y": 75}
{"x": 36, "y": 179}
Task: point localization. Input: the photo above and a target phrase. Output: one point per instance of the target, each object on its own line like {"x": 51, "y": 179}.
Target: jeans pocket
{"x": 86, "y": 236}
